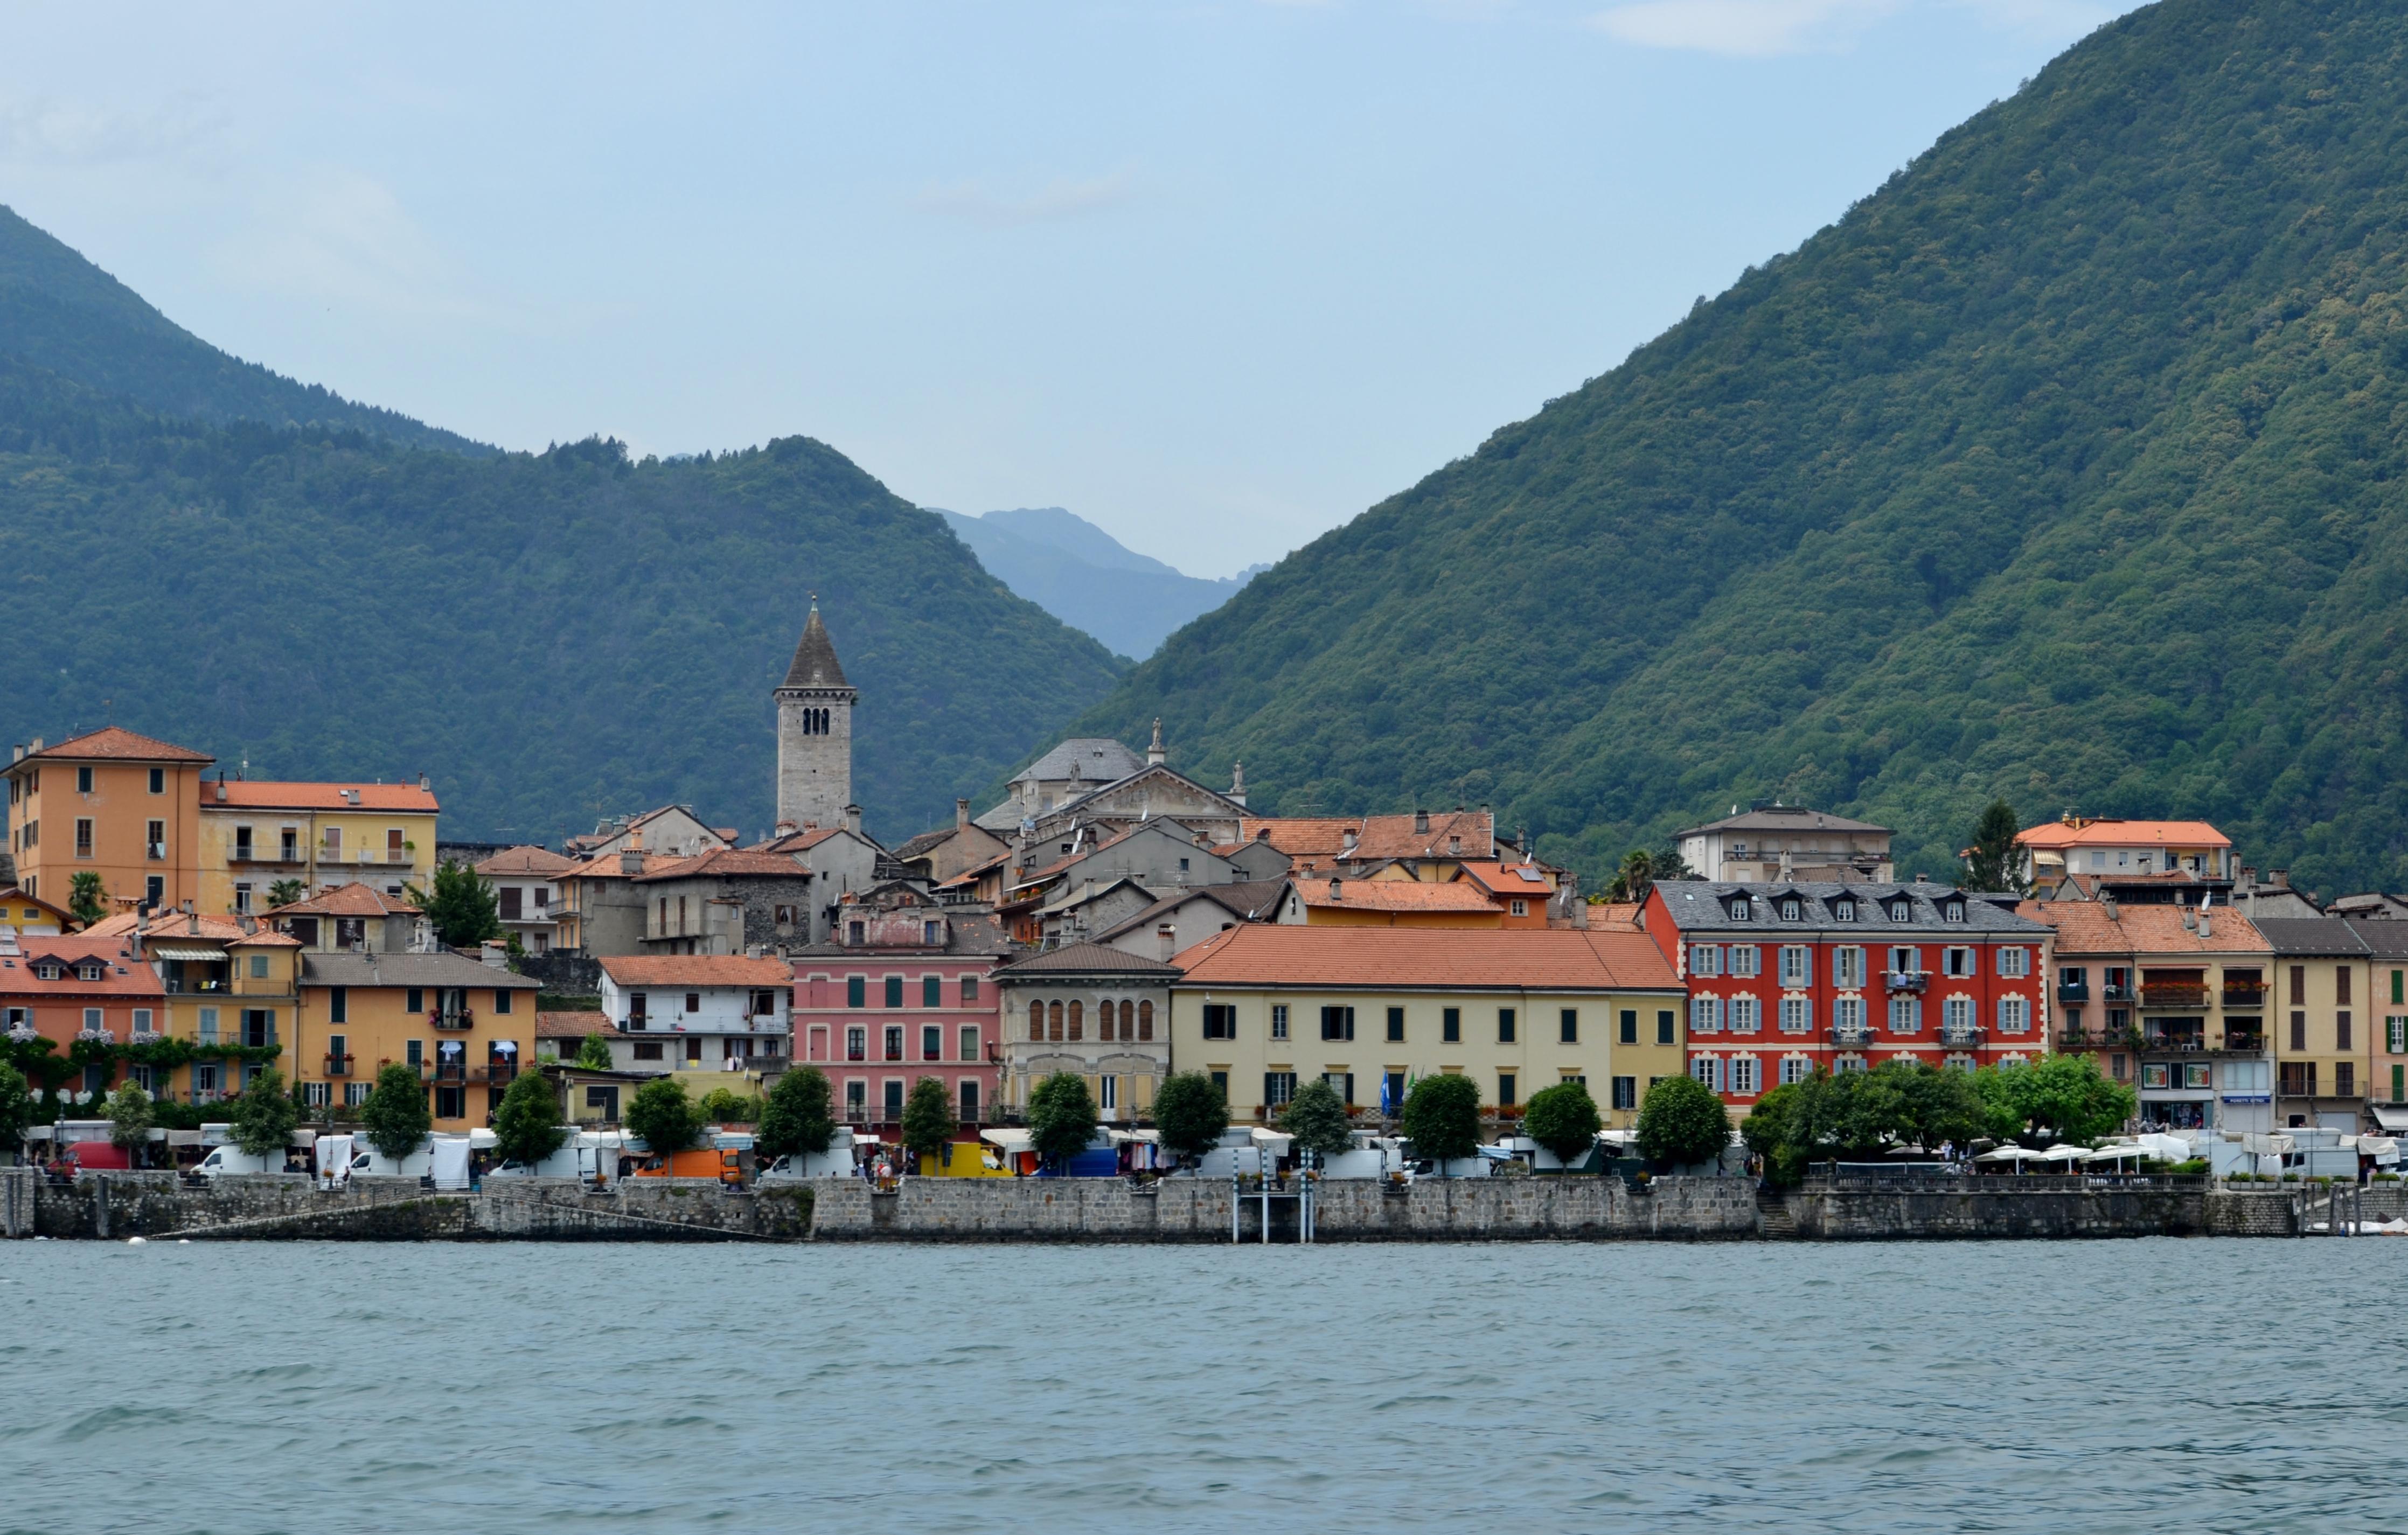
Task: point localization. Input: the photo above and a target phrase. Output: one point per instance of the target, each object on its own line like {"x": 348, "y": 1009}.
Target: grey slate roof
{"x": 1099, "y": 759}
{"x": 2312, "y": 936}
{"x": 815, "y": 664}
{"x": 1701, "y": 904}
{"x": 1783, "y": 818}
{"x": 436, "y": 969}
{"x": 1087, "y": 959}
{"x": 1248, "y": 900}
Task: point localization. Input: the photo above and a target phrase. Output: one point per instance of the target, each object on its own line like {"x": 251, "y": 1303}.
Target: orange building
{"x": 113, "y": 803}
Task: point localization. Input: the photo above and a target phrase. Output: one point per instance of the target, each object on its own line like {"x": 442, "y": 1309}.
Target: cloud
{"x": 1740, "y": 28}
{"x": 1061, "y": 198}
{"x": 39, "y": 132}
{"x": 344, "y": 237}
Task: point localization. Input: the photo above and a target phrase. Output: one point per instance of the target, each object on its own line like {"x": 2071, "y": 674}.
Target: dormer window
{"x": 1789, "y": 908}
{"x": 46, "y": 970}
{"x": 89, "y": 972}
{"x": 1844, "y": 911}
{"x": 1902, "y": 911}
{"x": 1739, "y": 909}
{"x": 1952, "y": 911}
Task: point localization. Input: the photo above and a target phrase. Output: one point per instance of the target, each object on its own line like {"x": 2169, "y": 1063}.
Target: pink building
{"x": 902, "y": 991}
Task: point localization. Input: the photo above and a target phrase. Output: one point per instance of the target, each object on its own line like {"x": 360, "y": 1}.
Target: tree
{"x": 395, "y": 1116}
{"x": 662, "y": 1114}
{"x": 263, "y": 1115}
{"x": 16, "y": 1106}
{"x": 928, "y": 1119}
{"x": 285, "y": 892}
{"x": 129, "y": 1116}
{"x": 1564, "y": 1119}
{"x": 722, "y": 1105}
{"x": 461, "y": 907}
{"x": 1061, "y": 1117}
{"x": 1316, "y": 1116}
{"x": 1441, "y": 1118}
{"x": 594, "y": 1054}
{"x": 87, "y": 896}
{"x": 1190, "y": 1113}
{"x": 527, "y": 1127}
{"x": 1933, "y": 1107}
{"x": 1997, "y": 861}
{"x": 1681, "y": 1121}
{"x": 1640, "y": 869}
{"x": 1771, "y": 1132}
{"x": 2060, "y": 1096}
{"x": 799, "y": 1115}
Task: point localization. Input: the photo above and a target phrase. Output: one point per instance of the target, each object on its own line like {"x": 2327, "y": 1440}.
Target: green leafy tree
{"x": 394, "y": 1117}
{"x": 285, "y": 892}
{"x": 1564, "y": 1119}
{"x": 1681, "y": 1121}
{"x": 1934, "y": 1107}
{"x": 799, "y": 1115}
{"x": 928, "y": 1119}
{"x": 17, "y": 1111}
{"x": 1061, "y": 1117}
{"x": 1190, "y": 1113}
{"x": 461, "y": 907}
{"x": 594, "y": 1054}
{"x": 527, "y": 1127}
{"x": 1442, "y": 1117}
{"x": 1640, "y": 869}
{"x": 1997, "y": 861}
{"x": 724, "y": 1106}
{"x": 1772, "y": 1131}
{"x": 129, "y": 1116}
{"x": 662, "y": 1114}
{"x": 1316, "y": 1116}
{"x": 2063, "y": 1097}
{"x": 87, "y": 896}
{"x": 263, "y": 1117}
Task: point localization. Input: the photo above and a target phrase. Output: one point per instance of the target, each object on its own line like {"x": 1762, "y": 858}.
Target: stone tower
{"x": 814, "y": 732}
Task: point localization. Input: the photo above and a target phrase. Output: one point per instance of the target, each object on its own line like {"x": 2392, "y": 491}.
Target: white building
{"x": 527, "y": 892}
{"x": 696, "y": 1012}
{"x": 1786, "y": 842}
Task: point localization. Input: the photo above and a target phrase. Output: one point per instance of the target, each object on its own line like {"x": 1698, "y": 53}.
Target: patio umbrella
{"x": 2009, "y": 1154}
{"x": 2065, "y": 1151}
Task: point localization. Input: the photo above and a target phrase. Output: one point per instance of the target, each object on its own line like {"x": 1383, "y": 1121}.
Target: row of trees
{"x": 1863, "y": 1115}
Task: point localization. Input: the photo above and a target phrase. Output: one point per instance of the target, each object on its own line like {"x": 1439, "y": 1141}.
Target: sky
{"x": 1214, "y": 275}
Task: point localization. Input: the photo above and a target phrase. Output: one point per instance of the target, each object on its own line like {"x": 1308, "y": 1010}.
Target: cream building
{"x": 1099, "y": 1011}
{"x": 255, "y": 834}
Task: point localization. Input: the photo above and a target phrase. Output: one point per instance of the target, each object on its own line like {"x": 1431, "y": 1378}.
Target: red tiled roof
{"x": 1550, "y": 959}
{"x": 540, "y": 862}
{"x": 2085, "y": 927}
{"x": 799, "y": 842}
{"x": 261, "y": 795}
{"x": 1613, "y": 914}
{"x": 2180, "y": 834}
{"x": 351, "y": 900}
{"x": 724, "y": 862}
{"x": 169, "y": 926}
{"x": 1509, "y": 878}
{"x": 695, "y": 971}
{"x": 120, "y": 745}
{"x": 1392, "y": 896}
{"x": 570, "y": 1024}
{"x": 1324, "y": 837}
{"x": 122, "y": 975}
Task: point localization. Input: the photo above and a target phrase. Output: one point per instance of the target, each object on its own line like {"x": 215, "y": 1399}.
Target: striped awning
{"x": 186, "y": 951}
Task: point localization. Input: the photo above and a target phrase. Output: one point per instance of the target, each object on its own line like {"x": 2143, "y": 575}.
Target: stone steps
{"x": 1773, "y": 1218}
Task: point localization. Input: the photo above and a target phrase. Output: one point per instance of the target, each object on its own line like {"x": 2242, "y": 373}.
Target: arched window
{"x": 1104, "y": 1019}
{"x": 1145, "y": 1020}
{"x": 1078, "y": 1019}
{"x": 1128, "y": 1022}
{"x": 1036, "y": 1020}
{"x": 1056, "y": 1018}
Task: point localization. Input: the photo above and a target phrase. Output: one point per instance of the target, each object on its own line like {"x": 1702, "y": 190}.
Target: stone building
{"x": 1101, "y": 1012}
{"x": 815, "y": 734}
{"x": 726, "y": 901}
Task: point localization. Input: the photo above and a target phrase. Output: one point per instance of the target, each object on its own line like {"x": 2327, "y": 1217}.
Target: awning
{"x": 185, "y": 950}
{"x": 1010, "y": 1141}
{"x": 2389, "y": 1117}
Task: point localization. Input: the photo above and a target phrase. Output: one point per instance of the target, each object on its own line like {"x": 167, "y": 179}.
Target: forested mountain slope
{"x": 551, "y": 637}
{"x": 62, "y": 312}
{"x": 2068, "y": 467}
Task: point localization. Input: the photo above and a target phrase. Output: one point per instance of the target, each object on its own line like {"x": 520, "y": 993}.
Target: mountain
{"x": 552, "y": 637}
{"x": 2068, "y": 467}
{"x": 1084, "y": 577}
{"x": 62, "y": 312}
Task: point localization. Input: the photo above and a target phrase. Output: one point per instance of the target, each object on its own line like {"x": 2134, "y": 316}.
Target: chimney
{"x": 422, "y": 781}
{"x": 1336, "y": 889}
{"x": 852, "y": 819}
{"x": 2107, "y": 904}
{"x": 1168, "y": 936}
{"x": 1348, "y": 851}
{"x": 631, "y": 857}
{"x": 36, "y": 746}
{"x": 494, "y": 953}
{"x": 961, "y": 815}
{"x": 1421, "y": 822}
{"x": 2279, "y": 878}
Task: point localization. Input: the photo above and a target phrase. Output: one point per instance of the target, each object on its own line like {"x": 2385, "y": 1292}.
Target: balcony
{"x": 2114, "y": 993}
{"x": 245, "y": 853}
{"x": 1966, "y": 1035}
{"x": 339, "y": 1066}
{"x": 146, "y": 1035}
{"x": 187, "y": 987}
{"x": 2080, "y": 1038}
{"x": 462, "y": 1019}
{"x": 2169, "y": 1041}
{"x": 2173, "y": 993}
{"x": 2240, "y": 1041}
{"x": 97, "y": 1035}
{"x": 1909, "y": 981}
{"x": 2243, "y": 996}
{"x": 1852, "y": 1036}
{"x": 2073, "y": 990}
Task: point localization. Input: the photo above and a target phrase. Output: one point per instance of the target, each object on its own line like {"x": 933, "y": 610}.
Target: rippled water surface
{"x": 2127, "y": 1385}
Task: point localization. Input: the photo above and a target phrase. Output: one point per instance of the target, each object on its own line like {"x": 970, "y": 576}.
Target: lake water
{"x": 2109, "y": 1386}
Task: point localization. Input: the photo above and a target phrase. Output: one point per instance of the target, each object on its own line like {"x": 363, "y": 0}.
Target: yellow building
{"x": 111, "y": 803}
{"x": 1262, "y": 1008}
{"x": 28, "y": 916}
{"x": 228, "y": 984}
{"x": 254, "y": 835}
{"x": 466, "y": 1028}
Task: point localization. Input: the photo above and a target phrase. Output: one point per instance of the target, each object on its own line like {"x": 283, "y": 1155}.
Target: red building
{"x": 1784, "y": 979}
{"x": 67, "y": 989}
{"x": 902, "y": 993}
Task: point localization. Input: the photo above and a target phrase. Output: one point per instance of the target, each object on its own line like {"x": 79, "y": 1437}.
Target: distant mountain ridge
{"x": 61, "y": 312}
{"x": 1057, "y": 559}
{"x": 2068, "y": 467}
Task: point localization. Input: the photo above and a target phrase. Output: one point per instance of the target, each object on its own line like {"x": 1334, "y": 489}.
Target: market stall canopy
{"x": 1010, "y": 1141}
{"x": 2391, "y": 1118}
{"x": 2009, "y": 1154}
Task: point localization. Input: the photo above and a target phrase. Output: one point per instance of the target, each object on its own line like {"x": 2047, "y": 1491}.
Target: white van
{"x": 232, "y": 1158}
{"x": 838, "y": 1161}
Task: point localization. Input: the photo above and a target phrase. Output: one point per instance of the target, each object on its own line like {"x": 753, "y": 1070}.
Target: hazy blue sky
{"x": 1216, "y": 276}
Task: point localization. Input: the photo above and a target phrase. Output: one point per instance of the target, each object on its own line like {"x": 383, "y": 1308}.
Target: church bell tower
{"x": 814, "y": 732}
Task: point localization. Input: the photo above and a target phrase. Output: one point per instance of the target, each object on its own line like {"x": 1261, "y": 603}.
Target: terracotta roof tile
{"x": 1509, "y": 878}
{"x": 263, "y": 795}
{"x": 2184, "y": 834}
{"x": 122, "y": 974}
{"x": 122, "y": 745}
{"x": 695, "y": 971}
{"x": 351, "y": 900}
{"x": 1323, "y": 837}
{"x": 534, "y": 861}
{"x": 2086, "y": 927}
{"x": 1392, "y": 895}
{"x": 570, "y": 1024}
{"x": 724, "y": 863}
{"x": 1086, "y": 959}
{"x": 173, "y": 926}
{"x": 1550, "y": 959}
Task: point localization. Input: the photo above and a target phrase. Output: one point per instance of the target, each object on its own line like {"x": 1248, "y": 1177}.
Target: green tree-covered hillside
{"x": 549, "y": 637}
{"x": 2067, "y": 468}
{"x": 63, "y": 313}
